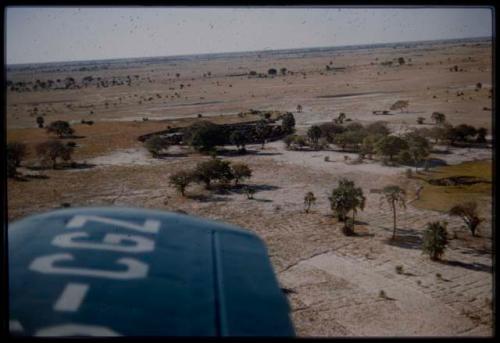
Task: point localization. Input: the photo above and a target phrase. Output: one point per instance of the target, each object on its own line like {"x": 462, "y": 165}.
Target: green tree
{"x": 60, "y": 128}
{"x": 400, "y": 105}
{"x": 330, "y": 130}
{"x": 468, "y": 212}
{"x": 16, "y": 152}
{"x": 465, "y": 132}
{"x": 288, "y": 122}
{"x": 309, "y": 200}
{"x": 418, "y": 148}
{"x": 314, "y": 134}
{"x": 368, "y": 145}
{"x": 180, "y": 180}
{"x": 435, "y": 239}
{"x": 203, "y": 136}
{"x": 272, "y": 71}
{"x": 214, "y": 169}
{"x": 481, "y": 135}
{"x": 349, "y": 138}
{"x": 390, "y": 146}
{"x": 239, "y": 139}
{"x": 40, "y": 121}
{"x": 52, "y": 150}
{"x": 288, "y": 140}
{"x": 155, "y": 145}
{"x": 346, "y": 197}
{"x": 394, "y": 195}
{"x": 262, "y": 130}
{"x": 240, "y": 171}
{"x": 439, "y": 118}
{"x": 377, "y": 128}
{"x": 340, "y": 119}
{"x": 249, "y": 191}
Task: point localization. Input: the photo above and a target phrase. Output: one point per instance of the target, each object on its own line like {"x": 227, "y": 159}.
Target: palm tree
{"x": 394, "y": 195}
{"x": 309, "y": 200}
{"x": 345, "y": 198}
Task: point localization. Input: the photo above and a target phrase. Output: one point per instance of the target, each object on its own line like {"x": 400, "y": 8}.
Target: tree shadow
{"x": 433, "y": 162}
{"x": 478, "y": 252}
{"x": 471, "y": 266}
{"x": 167, "y": 155}
{"x": 240, "y": 188}
{"x": 406, "y": 239}
{"x": 206, "y": 198}
{"x": 441, "y": 152}
{"x": 361, "y": 234}
{"x": 261, "y": 200}
{"x": 260, "y": 153}
{"x": 73, "y": 137}
{"x": 75, "y": 165}
{"x": 41, "y": 177}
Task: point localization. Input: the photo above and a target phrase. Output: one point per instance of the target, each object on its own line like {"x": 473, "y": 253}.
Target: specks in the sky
{"x": 110, "y": 32}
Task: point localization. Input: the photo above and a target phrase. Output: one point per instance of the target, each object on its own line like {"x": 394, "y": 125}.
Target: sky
{"x": 49, "y": 34}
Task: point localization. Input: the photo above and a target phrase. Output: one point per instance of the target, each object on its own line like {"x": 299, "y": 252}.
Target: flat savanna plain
{"x": 333, "y": 281}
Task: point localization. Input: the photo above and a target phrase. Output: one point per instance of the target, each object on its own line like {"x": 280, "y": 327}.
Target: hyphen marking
{"x": 72, "y": 297}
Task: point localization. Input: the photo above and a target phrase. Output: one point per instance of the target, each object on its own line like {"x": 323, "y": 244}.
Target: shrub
{"x": 240, "y": 171}
{"x": 288, "y": 140}
{"x": 435, "y": 239}
{"x": 420, "y": 120}
{"x": 309, "y": 200}
{"x": 50, "y": 151}
{"x": 399, "y": 269}
{"x": 60, "y": 128}
{"x": 272, "y": 71}
{"x": 180, "y": 180}
{"x": 468, "y": 212}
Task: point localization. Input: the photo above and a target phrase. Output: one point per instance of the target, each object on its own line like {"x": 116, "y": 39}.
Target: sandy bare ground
{"x": 334, "y": 280}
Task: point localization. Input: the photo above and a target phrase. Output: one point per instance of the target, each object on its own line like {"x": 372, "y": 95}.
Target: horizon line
{"x": 243, "y": 51}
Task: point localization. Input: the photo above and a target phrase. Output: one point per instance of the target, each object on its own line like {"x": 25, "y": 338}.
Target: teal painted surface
{"x": 193, "y": 277}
